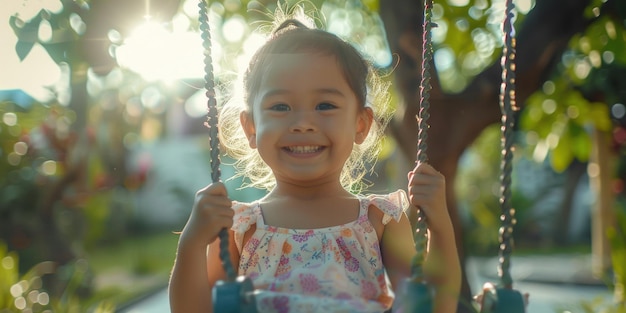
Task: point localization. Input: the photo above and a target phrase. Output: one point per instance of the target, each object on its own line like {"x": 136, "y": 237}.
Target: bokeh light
{"x": 157, "y": 53}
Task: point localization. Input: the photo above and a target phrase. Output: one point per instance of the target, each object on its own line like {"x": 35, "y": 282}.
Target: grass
{"x": 132, "y": 268}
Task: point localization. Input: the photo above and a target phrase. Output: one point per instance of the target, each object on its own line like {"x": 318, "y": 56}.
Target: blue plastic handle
{"x": 416, "y": 298}
{"x": 502, "y": 300}
{"x": 234, "y": 296}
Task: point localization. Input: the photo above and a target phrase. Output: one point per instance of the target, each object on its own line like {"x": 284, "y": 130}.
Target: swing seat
{"x": 234, "y": 296}
{"x": 416, "y": 298}
{"x": 501, "y": 300}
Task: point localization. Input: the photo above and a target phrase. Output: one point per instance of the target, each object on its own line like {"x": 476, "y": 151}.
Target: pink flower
{"x": 309, "y": 283}
{"x": 352, "y": 264}
{"x": 368, "y": 289}
{"x": 252, "y": 244}
{"x": 283, "y": 266}
{"x": 303, "y": 237}
{"x": 281, "y": 304}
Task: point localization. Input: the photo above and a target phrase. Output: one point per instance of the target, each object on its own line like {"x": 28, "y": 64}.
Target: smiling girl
{"x": 310, "y": 124}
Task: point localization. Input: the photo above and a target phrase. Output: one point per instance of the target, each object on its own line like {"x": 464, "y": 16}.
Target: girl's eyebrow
{"x": 327, "y": 91}
{"x": 331, "y": 91}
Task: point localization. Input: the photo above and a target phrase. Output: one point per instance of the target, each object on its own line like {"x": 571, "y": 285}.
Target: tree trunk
{"x": 456, "y": 120}
{"x": 601, "y": 167}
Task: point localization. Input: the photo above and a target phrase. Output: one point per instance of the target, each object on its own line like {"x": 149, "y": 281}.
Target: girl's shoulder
{"x": 392, "y": 205}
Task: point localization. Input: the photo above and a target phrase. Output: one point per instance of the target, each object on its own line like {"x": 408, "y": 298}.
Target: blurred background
{"x": 103, "y": 143}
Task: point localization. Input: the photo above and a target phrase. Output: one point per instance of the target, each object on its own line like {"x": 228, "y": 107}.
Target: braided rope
{"x": 507, "y": 106}
{"x": 211, "y": 123}
{"x": 421, "y": 235}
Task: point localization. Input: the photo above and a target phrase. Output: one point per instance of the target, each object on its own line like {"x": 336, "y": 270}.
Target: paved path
{"x": 555, "y": 284}
{"x": 156, "y": 303}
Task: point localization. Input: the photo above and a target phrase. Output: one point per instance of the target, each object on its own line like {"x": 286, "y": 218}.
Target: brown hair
{"x": 292, "y": 37}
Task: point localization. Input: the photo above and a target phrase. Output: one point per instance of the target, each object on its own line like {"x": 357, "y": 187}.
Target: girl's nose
{"x": 303, "y": 122}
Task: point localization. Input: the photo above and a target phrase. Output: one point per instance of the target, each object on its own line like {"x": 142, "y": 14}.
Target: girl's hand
{"x": 210, "y": 213}
{"x": 427, "y": 191}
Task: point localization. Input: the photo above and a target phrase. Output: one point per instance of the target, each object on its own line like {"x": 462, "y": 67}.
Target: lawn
{"x": 132, "y": 268}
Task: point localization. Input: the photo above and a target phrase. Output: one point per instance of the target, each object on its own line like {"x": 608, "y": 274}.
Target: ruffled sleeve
{"x": 244, "y": 217}
{"x": 393, "y": 205}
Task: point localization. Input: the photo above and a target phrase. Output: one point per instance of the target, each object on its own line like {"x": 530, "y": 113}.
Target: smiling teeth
{"x": 304, "y": 149}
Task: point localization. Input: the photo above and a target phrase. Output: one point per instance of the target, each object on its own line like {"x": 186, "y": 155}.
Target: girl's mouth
{"x": 303, "y": 149}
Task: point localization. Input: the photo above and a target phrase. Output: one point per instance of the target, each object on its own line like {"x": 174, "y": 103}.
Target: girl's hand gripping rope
{"x": 427, "y": 191}
{"x": 210, "y": 213}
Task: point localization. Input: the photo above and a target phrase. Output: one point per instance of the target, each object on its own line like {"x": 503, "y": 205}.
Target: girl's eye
{"x": 325, "y": 106}
{"x": 280, "y": 107}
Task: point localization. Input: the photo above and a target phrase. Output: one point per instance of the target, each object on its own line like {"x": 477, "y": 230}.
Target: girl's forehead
{"x": 302, "y": 72}
{"x": 299, "y": 59}
{"x": 300, "y": 64}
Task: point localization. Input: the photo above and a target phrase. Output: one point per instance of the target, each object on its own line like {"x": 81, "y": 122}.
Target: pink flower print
{"x": 283, "y": 266}
{"x": 367, "y": 225}
{"x": 281, "y": 304}
{"x": 303, "y": 237}
{"x": 242, "y": 220}
{"x": 309, "y": 283}
{"x": 252, "y": 244}
{"x": 284, "y": 276}
{"x": 343, "y": 248}
{"x": 368, "y": 289}
{"x": 350, "y": 263}
{"x": 252, "y": 262}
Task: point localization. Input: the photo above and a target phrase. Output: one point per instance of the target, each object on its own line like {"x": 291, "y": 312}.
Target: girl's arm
{"x": 397, "y": 250}
{"x": 441, "y": 267}
{"x": 196, "y": 273}
{"x": 189, "y": 284}
{"x": 427, "y": 190}
{"x": 197, "y": 266}
{"x": 443, "y": 270}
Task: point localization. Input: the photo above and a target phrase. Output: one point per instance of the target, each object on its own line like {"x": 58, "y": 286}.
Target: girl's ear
{"x": 247, "y": 123}
{"x": 363, "y": 125}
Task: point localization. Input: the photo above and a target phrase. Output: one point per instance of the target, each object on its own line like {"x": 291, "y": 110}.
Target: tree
{"x": 570, "y": 45}
{"x": 457, "y": 119}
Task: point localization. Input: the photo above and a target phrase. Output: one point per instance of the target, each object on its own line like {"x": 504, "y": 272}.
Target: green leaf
{"x": 581, "y": 147}
{"x": 601, "y": 117}
{"x": 372, "y": 5}
{"x": 23, "y": 48}
{"x": 26, "y": 33}
{"x": 57, "y": 51}
{"x": 562, "y": 155}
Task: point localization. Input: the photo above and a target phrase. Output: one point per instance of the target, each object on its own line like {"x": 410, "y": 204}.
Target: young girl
{"x": 312, "y": 245}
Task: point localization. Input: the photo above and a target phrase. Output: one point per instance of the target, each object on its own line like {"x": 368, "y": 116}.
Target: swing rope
{"x": 503, "y": 298}
{"x": 211, "y": 123}
{"x": 420, "y": 234}
{"x": 507, "y": 106}
{"x": 236, "y": 294}
{"x": 418, "y": 293}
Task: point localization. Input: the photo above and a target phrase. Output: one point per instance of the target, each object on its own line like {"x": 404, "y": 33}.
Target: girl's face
{"x": 305, "y": 118}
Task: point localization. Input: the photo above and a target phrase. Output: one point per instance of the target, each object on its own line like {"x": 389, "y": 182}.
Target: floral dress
{"x": 333, "y": 269}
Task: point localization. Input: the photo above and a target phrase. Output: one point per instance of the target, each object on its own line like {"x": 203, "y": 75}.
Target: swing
{"x": 502, "y": 297}
{"x": 237, "y": 294}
